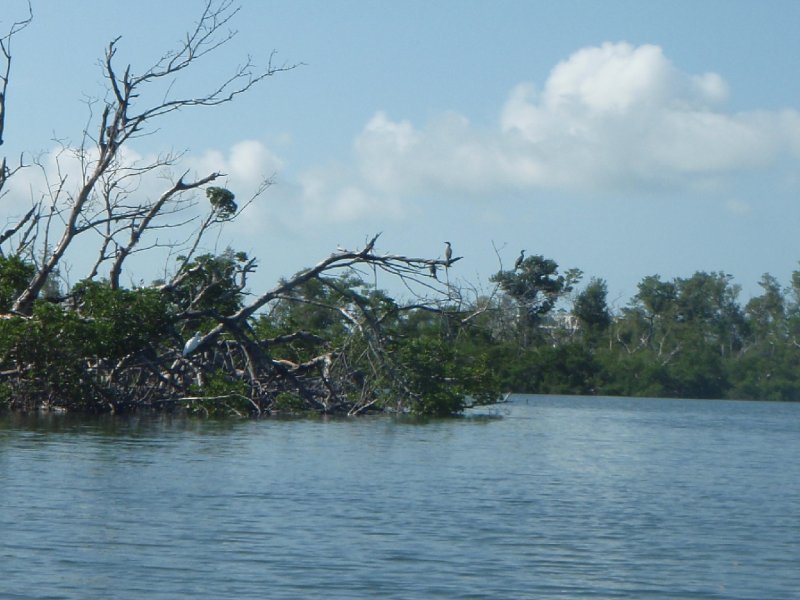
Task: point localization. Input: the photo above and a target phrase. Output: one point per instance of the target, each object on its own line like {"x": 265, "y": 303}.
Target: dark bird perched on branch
{"x": 448, "y": 254}
{"x": 520, "y": 258}
{"x": 432, "y": 269}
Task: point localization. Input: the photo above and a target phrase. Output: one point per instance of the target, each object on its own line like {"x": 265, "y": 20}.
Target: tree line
{"x": 688, "y": 337}
{"x": 327, "y": 339}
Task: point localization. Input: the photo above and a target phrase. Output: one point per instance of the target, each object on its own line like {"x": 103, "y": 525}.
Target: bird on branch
{"x": 192, "y": 344}
{"x": 520, "y": 258}
{"x": 448, "y": 254}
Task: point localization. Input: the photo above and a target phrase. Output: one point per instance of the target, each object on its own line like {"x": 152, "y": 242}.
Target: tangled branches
{"x": 321, "y": 340}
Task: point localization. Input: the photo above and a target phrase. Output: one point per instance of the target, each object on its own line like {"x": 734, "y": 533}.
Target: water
{"x": 548, "y": 497}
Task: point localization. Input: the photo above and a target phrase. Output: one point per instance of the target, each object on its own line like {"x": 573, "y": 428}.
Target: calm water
{"x": 548, "y": 497}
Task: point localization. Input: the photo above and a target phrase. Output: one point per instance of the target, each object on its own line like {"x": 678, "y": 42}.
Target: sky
{"x": 624, "y": 138}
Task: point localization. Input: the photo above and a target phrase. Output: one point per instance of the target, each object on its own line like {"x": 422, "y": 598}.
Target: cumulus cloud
{"x": 335, "y": 193}
{"x": 246, "y": 165}
{"x": 621, "y": 115}
{"x": 620, "y": 78}
{"x": 448, "y": 155}
{"x": 610, "y": 117}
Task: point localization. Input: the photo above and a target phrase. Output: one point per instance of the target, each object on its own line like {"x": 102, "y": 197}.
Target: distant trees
{"x": 686, "y": 337}
{"x": 591, "y": 307}
{"x": 534, "y": 285}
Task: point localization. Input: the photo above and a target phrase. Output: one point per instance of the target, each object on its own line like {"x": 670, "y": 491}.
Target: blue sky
{"x": 625, "y": 138}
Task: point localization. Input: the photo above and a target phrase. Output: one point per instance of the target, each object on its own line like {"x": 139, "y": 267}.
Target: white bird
{"x": 448, "y": 254}
{"x": 192, "y": 344}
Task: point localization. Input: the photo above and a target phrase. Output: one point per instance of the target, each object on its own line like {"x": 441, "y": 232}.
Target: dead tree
{"x": 104, "y": 202}
{"x": 5, "y": 71}
{"x": 322, "y": 379}
{"x": 100, "y": 202}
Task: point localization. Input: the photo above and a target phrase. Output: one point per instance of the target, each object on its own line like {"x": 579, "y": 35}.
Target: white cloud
{"x": 247, "y": 164}
{"x": 334, "y": 194}
{"x": 612, "y": 78}
{"x": 621, "y": 78}
{"x": 60, "y": 172}
{"x": 624, "y": 116}
{"x": 614, "y": 117}
{"x": 245, "y": 167}
{"x": 611, "y": 117}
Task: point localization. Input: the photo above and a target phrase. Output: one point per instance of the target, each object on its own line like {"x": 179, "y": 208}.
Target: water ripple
{"x": 559, "y": 498}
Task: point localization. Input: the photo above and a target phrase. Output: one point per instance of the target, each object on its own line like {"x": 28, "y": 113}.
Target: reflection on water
{"x": 545, "y": 497}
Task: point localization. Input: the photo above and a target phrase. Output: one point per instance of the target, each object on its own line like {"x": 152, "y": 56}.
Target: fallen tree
{"x": 322, "y": 340}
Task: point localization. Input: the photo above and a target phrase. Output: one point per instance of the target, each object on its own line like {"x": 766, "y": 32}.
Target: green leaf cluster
{"x": 222, "y": 202}
{"x": 15, "y": 274}
{"x": 58, "y": 350}
{"x": 685, "y": 337}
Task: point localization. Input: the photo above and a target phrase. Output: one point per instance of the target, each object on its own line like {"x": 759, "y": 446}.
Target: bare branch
{"x": 13, "y": 230}
{"x": 120, "y": 121}
{"x": 139, "y": 228}
{"x": 5, "y": 66}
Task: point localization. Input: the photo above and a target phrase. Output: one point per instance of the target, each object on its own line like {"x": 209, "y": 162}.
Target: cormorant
{"x": 518, "y": 263}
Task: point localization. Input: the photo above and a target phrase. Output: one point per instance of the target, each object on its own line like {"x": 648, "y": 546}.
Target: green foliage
{"x": 442, "y": 376}
{"x": 328, "y": 308}
{"x": 122, "y": 321}
{"x": 687, "y": 337}
{"x": 220, "y": 383}
{"x": 566, "y": 369}
{"x": 633, "y": 374}
{"x": 210, "y": 287}
{"x": 591, "y": 307}
{"x": 438, "y": 372}
{"x": 15, "y": 274}
{"x": 50, "y": 348}
{"x": 315, "y": 306}
{"x": 221, "y": 395}
{"x": 657, "y": 297}
{"x": 428, "y": 366}
{"x": 536, "y": 285}
{"x": 768, "y": 372}
{"x": 767, "y": 313}
{"x": 59, "y": 348}
{"x": 288, "y": 403}
{"x": 222, "y": 202}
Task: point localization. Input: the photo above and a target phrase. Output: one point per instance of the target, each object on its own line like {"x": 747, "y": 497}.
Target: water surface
{"x": 546, "y": 497}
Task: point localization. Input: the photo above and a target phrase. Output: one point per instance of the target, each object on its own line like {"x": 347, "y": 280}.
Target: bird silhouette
{"x": 520, "y": 258}
{"x": 448, "y": 254}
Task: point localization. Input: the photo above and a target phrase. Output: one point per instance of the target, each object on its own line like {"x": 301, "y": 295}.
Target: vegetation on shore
{"x": 686, "y": 337}
{"x": 321, "y": 340}
{"x": 327, "y": 339}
